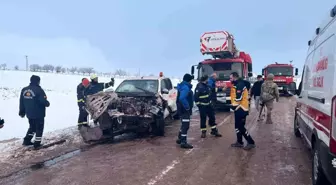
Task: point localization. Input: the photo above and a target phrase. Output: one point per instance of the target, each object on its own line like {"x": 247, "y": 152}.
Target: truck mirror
{"x": 263, "y": 72}
{"x": 192, "y": 70}
{"x": 296, "y": 71}
{"x": 250, "y": 74}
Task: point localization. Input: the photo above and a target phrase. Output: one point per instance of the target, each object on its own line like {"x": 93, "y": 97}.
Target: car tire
{"x": 296, "y": 127}
{"x": 318, "y": 176}
{"x": 176, "y": 116}
{"x": 160, "y": 126}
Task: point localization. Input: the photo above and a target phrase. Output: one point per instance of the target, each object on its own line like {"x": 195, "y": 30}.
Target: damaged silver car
{"x": 128, "y": 109}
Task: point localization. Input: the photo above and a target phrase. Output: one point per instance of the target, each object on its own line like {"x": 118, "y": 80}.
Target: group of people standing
{"x": 205, "y": 97}
{"x": 33, "y": 103}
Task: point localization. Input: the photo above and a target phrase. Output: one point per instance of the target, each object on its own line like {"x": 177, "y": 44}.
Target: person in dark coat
{"x": 83, "y": 114}
{"x": 185, "y": 103}
{"x": 96, "y": 87}
{"x": 33, "y": 103}
{"x": 203, "y": 101}
{"x": 256, "y": 90}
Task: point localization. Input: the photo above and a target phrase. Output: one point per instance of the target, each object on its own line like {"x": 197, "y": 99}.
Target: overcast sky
{"x": 153, "y": 35}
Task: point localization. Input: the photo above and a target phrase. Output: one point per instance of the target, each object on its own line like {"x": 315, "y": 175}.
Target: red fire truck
{"x": 226, "y": 58}
{"x": 283, "y": 77}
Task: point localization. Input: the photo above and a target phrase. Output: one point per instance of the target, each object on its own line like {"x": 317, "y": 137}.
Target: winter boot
{"x": 237, "y": 145}
{"x": 178, "y": 141}
{"x": 37, "y": 145}
{"x": 249, "y": 146}
{"x": 27, "y": 143}
{"x": 184, "y": 143}
{"x": 215, "y": 132}
{"x": 203, "y": 135}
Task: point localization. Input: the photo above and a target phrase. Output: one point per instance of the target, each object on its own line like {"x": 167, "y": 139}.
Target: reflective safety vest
{"x": 202, "y": 95}
{"x": 239, "y": 96}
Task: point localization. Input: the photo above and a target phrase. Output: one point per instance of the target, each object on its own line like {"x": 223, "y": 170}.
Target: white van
{"x": 315, "y": 112}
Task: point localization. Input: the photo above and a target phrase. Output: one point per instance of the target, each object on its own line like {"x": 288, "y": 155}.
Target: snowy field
{"x": 60, "y": 90}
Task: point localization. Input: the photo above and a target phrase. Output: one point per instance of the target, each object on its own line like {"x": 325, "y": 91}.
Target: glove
{"x": 21, "y": 114}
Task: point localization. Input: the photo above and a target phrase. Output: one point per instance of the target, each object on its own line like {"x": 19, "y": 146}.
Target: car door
{"x": 172, "y": 95}
{"x": 163, "y": 86}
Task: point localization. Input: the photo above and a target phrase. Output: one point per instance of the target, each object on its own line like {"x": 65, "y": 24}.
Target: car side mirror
{"x": 250, "y": 74}
{"x": 296, "y": 71}
{"x": 165, "y": 91}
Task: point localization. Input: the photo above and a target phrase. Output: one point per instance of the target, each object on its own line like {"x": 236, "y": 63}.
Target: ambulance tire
{"x": 318, "y": 176}
{"x": 296, "y": 127}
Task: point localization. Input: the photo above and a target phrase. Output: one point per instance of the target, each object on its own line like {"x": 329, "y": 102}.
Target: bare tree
{"x": 16, "y": 67}
{"x": 73, "y": 69}
{"x": 48, "y": 68}
{"x": 3, "y": 66}
{"x": 63, "y": 70}
{"x": 58, "y": 69}
{"x": 35, "y": 67}
{"x": 120, "y": 72}
{"x": 89, "y": 70}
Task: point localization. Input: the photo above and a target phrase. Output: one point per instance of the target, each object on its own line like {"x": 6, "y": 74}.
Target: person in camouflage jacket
{"x": 269, "y": 92}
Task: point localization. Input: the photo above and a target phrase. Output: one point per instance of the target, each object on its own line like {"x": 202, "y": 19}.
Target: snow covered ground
{"x": 60, "y": 90}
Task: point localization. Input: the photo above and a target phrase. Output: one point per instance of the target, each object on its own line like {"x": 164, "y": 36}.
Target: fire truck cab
{"x": 226, "y": 58}
{"x": 283, "y": 77}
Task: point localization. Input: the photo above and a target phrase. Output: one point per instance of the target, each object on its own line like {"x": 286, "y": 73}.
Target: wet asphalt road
{"x": 279, "y": 158}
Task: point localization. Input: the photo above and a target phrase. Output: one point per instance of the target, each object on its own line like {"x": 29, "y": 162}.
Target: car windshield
{"x": 280, "y": 71}
{"x": 223, "y": 70}
{"x": 138, "y": 86}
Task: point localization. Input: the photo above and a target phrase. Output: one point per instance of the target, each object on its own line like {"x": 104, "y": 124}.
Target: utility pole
{"x": 26, "y": 62}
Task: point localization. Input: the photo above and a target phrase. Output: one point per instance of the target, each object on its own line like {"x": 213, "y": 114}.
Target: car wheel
{"x": 160, "y": 126}
{"x": 176, "y": 116}
{"x": 296, "y": 127}
{"x": 318, "y": 177}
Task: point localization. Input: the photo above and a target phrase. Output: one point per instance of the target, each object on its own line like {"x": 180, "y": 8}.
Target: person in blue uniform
{"x": 185, "y": 103}
{"x": 33, "y": 103}
{"x": 203, "y": 101}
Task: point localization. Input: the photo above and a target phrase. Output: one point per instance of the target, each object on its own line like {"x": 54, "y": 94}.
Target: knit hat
{"x": 85, "y": 82}
{"x": 187, "y": 77}
{"x": 35, "y": 79}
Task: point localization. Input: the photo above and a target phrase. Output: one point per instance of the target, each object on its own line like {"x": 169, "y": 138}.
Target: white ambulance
{"x": 315, "y": 112}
